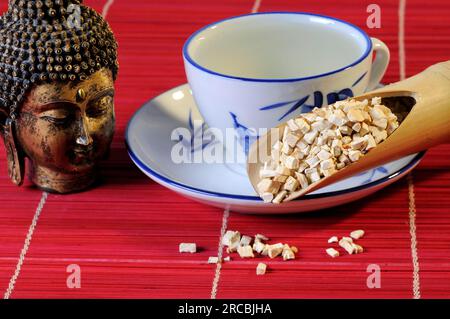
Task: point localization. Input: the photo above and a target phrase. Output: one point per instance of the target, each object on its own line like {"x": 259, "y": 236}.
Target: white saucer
{"x": 148, "y": 139}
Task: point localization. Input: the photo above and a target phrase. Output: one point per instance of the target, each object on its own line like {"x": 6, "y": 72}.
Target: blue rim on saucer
{"x": 359, "y": 30}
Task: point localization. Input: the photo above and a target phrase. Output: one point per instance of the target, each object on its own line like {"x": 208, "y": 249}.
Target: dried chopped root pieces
{"x": 244, "y": 247}
{"x": 317, "y": 144}
{"x": 248, "y": 247}
{"x": 347, "y": 243}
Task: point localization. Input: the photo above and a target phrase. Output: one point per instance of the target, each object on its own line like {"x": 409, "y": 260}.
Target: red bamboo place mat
{"x": 124, "y": 234}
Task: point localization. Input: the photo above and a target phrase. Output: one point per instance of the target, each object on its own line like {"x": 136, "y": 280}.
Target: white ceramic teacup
{"x": 256, "y": 71}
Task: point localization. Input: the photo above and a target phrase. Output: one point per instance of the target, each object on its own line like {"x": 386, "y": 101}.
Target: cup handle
{"x": 380, "y": 63}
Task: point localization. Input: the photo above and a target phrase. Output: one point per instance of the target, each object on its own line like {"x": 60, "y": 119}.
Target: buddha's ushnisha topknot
{"x": 43, "y": 41}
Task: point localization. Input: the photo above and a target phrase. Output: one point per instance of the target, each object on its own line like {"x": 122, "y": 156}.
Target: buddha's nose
{"x": 84, "y": 137}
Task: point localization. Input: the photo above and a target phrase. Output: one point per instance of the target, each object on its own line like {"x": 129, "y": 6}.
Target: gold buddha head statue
{"x": 58, "y": 64}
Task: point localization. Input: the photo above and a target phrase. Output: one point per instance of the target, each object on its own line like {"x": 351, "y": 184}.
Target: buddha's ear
{"x": 14, "y": 156}
{"x": 3, "y": 116}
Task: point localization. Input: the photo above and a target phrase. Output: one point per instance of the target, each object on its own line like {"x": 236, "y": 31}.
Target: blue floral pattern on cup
{"x": 246, "y": 136}
{"x": 318, "y": 98}
{"x": 200, "y": 133}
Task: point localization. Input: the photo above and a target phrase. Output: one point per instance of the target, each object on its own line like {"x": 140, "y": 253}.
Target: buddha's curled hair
{"x": 43, "y": 41}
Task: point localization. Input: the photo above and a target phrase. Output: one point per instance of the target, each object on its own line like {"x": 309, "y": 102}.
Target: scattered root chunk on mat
{"x": 347, "y": 245}
{"x": 188, "y": 248}
{"x": 246, "y": 251}
{"x": 231, "y": 237}
{"x": 213, "y": 260}
{"x": 358, "y": 248}
{"x": 258, "y": 246}
{"x": 245, "y": 240}
{"x": 275, "y": 250}
{"x": 351, "y": 247}
{"x": 318, "y": 144}
{"x": 287, "y": 253}
{"x": 357, "y": 234}
{"x": 332, "y": 252}
{"x": 333, "y": 239}
{"x": 261, "y": 269}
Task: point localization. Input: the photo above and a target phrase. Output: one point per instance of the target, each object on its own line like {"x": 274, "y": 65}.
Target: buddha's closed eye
{"x": 56, "y": 116}
{"x": 100, "y": 106}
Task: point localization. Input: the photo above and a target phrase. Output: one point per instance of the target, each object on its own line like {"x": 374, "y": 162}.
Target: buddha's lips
{"x": 82, "y": 156}
{"x": 84, "y": 150}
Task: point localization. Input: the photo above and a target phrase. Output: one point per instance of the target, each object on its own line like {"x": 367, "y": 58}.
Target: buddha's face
{"x": 68, "y": 127}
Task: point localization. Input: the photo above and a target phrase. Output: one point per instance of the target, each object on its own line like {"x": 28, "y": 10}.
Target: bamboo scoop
{"x": 427, "y": 124}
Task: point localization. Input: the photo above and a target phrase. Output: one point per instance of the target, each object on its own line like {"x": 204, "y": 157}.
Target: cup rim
{"x": 198, "y": 66}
